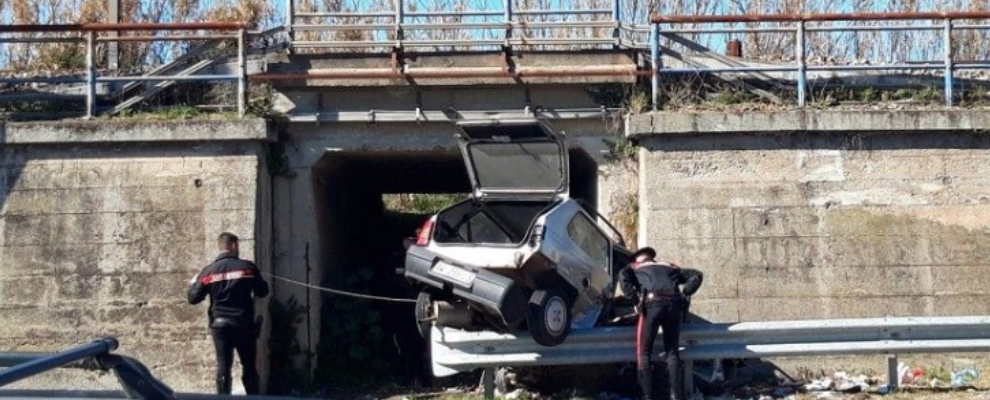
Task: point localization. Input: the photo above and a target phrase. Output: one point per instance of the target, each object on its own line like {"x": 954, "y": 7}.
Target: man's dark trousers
{"x": 226, "y": 340}
{"x": 664, "y": 314}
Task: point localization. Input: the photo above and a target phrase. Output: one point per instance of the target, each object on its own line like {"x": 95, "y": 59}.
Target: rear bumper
{"x": 497, "y": 294}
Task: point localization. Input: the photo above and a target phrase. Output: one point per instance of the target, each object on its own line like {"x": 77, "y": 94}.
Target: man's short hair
{"x": 646, "y": 251}
{"x": 227, "y": 238}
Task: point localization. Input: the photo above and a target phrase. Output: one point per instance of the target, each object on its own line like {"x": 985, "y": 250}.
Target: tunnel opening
{"x": 367, "y": 204}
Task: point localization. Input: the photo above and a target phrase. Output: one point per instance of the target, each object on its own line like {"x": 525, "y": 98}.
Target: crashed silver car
{"x": 520, "y": 252}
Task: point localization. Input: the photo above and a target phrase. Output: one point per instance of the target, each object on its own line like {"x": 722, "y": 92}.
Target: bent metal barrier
{"x": 455, "y": 351}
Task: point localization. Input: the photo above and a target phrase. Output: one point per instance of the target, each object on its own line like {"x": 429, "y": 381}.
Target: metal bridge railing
{"x": 92, "y": 34}
{"x": 797, "y": 24}
{"x": 404, "y": 27}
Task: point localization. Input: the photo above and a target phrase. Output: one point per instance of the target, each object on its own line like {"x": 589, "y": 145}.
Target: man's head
{"x": 645, "y": 254}
{"x": 227, "y": 243}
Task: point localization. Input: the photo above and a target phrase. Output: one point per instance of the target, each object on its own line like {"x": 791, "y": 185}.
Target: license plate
{"x": 457, "y": 274}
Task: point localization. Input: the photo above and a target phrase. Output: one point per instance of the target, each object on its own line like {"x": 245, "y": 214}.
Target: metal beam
{"x": 886, "y": 16}
{"x": 40, "y": 365}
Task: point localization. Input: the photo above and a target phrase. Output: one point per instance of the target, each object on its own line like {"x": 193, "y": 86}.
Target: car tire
{"x": 424, "y": 314}
{"x": 549, "y": 317}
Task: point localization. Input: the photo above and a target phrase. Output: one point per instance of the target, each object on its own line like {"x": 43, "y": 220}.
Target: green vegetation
{"x": 171, "y": 113}
{"x": 286, "y": 378}
{"x": 357, "y": 323}
{"x": 730, "y": 96}
{"x": 421, "y": 203}
{"x": 638, "y": 101}
{"x": 620, "y": 149}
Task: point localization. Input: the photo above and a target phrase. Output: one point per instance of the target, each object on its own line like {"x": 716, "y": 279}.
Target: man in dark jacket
{"x": 657, "y": 288}
{"x": 232, "y": 284}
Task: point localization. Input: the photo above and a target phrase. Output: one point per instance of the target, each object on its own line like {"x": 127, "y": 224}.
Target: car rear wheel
{"x": 424, "y": 314}
{"x": 549, "y": 318}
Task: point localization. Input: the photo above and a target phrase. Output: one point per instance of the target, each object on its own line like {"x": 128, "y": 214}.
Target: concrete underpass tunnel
{"x": 368, "y": 343}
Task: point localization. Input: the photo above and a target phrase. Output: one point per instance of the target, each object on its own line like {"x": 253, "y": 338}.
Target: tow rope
{"x": 340, "y": 292}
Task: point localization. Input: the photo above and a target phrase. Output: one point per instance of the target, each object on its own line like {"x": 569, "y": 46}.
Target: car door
{"x": 514, "y": 159}
{"x": 581, "y": 252}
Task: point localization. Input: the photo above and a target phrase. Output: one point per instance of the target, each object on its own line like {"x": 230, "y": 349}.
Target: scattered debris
{"x": 841, "y": 382}
{"x": 965, "y": 377}
{"x": 908, "y": 376}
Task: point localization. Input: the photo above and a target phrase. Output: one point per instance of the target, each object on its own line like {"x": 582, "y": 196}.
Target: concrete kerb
{"x": 125, "y": 131}
{"x": 782, "y": 122}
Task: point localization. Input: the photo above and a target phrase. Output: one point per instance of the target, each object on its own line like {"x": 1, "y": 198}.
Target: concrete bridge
{"x": 791, "y": 214}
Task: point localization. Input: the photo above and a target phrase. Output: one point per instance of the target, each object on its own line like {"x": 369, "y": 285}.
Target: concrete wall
{"x": 102, "y": 224}
{"x": 821, "y": 214}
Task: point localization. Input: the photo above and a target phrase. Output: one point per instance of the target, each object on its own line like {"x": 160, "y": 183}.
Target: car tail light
{"x": 425, "y": 231}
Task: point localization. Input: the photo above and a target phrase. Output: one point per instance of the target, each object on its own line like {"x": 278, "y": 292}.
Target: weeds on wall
{"x": 283, "y": 344}
{"x": 625, "y": 216}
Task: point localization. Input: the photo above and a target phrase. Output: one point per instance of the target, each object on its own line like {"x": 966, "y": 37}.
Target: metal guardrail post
{"x": 947, "y": 40}
{"x": 802, "y": 70}
{"x": 113, "y": 48}
{"x": 242, "y": 81}
{"x": 488, "y": 383}
{"x": 617, "y": 19}
{"x": 657, "y": 64}
{"x": 893, "y": 378}
{"x": 43, "y": 364}
{"x": 90, "y": 74}
{"x": 290, "y": 20}
{"x": 507, "y": 11}
{"x": 687, "y": 378}
{"x": 400, "y": 16}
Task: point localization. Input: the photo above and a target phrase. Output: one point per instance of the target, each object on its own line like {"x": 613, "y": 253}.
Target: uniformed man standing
{"x": 232, "y": 284}
{"x": 656, "y": 287}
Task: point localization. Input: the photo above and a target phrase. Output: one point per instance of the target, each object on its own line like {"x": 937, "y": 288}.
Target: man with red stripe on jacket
{"x": 232, "y": 285}
{"x": 657, "y": 288}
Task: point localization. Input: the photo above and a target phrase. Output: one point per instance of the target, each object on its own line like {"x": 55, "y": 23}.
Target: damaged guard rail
{"x": 455, "y": 351}
{"x": 97, "y": 355}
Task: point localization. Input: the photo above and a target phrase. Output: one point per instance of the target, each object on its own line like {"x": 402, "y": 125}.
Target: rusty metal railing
{"x": 797, "y": 25}
{"x": 507, "y": 24}
{"x": 89, "y": 35}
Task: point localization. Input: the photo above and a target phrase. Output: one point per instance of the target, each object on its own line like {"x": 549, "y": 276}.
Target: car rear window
{"x": 519, "y": 166}
{"x": 505, "y": 222}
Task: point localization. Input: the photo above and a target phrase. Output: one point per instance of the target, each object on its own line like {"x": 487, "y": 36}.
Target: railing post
{"x": 242, "y": 82}
{"x": 617, "y": 19}
{"x": 400, "y": 18}
{"x": 488, "y": 383}
{"x": 947, "y": 40}
{"x": 687, "y": 378}
{"x": 893, "y": 377}
{"x": 507, "y": 6}
{"x": 113, "y": 53}
{"x": 90, "y": 74}
{"x": 290, "y": 21}
{"x": 802, "y": 67}
{"x": 656, "y": 64}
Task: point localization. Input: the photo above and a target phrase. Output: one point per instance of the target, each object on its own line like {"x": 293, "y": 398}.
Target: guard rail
{"x": 455, "y": 351}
